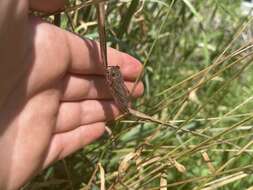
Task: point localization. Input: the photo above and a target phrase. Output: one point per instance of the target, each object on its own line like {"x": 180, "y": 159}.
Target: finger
{"x": 85, "y": 56}
{"x": 64, "y": 144}
{"x": 73, "y": 114}
{"x": 76, "y": 55}
{"x": 79, "y": 87}
{"x": 47, "y": 5}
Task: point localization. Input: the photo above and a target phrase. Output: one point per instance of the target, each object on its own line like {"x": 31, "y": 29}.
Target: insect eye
{"x": 114, "y": 74}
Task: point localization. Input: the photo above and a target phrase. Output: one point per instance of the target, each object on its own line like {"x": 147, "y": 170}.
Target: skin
{"x": 53, "y": 98}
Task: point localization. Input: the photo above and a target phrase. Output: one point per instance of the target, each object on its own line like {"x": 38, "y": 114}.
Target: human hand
{"x": 54, "y": 99}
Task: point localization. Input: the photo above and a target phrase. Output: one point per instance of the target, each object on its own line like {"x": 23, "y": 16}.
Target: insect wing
{"x": 118, "y": 88}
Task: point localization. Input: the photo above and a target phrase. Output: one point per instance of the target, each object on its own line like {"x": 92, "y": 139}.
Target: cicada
{"x": 117, "y": 87}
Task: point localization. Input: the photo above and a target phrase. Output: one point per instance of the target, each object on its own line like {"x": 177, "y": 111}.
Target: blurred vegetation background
{"x": 198, "y": 75}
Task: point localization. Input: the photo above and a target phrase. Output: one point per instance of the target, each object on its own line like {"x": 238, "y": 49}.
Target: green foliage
{"x": 198, "y": 75}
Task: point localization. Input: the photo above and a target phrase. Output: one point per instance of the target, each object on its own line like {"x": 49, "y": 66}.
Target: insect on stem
{"x": 113, "y": 74}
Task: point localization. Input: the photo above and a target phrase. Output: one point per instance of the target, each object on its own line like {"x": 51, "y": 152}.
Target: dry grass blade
{"x": 92, "y": 178}
{"x": 149, "y": 118}
{"x": 236, "y": 156}
{"x": 217, "y": 136}
{"x": 102, "y": 31}
{"x": 102, "y": 177}
{"x": 73, "y": 8}
{"x": 225, "y": 180}
{"x": 208, "y": 162}
{"x": 163, "y": 183}
{"x": 124, "y": 164}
